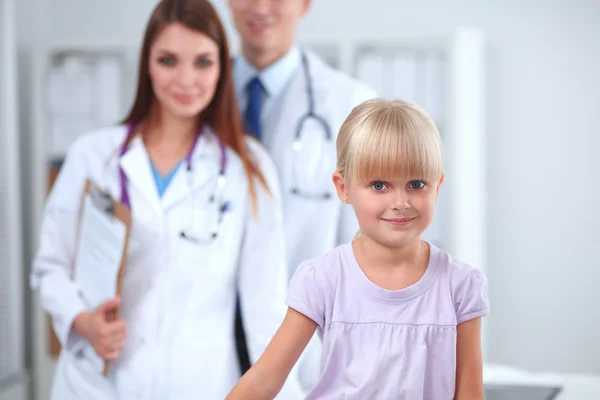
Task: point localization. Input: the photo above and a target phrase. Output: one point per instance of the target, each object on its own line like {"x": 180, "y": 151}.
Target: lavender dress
{"x": 381, "y": 344}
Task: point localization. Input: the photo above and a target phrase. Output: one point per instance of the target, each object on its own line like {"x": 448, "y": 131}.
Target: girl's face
{"x": 391, "y": 212}
{"x": 184, "y": 70}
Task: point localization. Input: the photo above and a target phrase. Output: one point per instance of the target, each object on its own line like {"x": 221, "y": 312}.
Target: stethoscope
{"x": 297, "y": 146}
{"x": 217, "y": 196}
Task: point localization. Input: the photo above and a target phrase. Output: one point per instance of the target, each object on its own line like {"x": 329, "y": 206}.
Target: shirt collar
{"x": 274, "y": 77}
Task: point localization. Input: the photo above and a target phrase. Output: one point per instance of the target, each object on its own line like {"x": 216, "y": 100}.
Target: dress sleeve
{"x": 306, "y": 294}
{"x": 471, "y": 297}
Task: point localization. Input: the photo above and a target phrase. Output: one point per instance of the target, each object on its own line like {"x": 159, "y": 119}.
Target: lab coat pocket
{"x": 82, "y": 373}
{"x": 202, "y": 226}
{"x": 133, "y": 370}
{"x": 204, "y": 241}
{"x": 202, "y": 272}
{"x": 195, "y": 258}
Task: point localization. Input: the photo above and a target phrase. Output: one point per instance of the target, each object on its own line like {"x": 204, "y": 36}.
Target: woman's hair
{"x": 222, "y": 113}
{"x": 385, "y": 139}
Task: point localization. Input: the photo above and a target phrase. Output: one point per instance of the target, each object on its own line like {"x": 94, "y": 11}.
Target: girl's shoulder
{"x": 314, "y": 283}
{"x": 327, "y": 267}
{"x": 456, "y": 271}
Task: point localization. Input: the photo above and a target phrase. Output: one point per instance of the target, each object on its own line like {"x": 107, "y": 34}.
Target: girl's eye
{"x": 378, "y": 186}
{"x": 417, "y": 184}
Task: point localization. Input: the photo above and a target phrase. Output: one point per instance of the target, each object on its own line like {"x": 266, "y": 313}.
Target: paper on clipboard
{"x": 100, "y": 258}
{"x": 101, "y": 244}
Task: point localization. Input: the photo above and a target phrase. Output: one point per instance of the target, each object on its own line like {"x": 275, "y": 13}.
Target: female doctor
{"x": 206, "y": 222}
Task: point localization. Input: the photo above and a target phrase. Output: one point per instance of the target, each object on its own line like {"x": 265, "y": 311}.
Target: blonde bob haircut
{"x": 386, "y": 140}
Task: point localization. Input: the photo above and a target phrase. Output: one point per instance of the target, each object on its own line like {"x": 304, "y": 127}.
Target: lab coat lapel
{"x": 136, "y": 165}
{"x": 205, "y": 168}
{"x": 321, "y": 93}
{"x": 281, "y": 129}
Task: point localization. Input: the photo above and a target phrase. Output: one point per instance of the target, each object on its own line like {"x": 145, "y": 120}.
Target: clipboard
{"x": 117, "y": 212}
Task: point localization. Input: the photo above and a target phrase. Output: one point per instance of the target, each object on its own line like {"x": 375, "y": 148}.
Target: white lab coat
{"x": 312, "y": 227}
{"x": 178, "y": 297}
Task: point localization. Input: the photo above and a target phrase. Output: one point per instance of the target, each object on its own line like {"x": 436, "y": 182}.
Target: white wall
{"x": 543, "y": 119}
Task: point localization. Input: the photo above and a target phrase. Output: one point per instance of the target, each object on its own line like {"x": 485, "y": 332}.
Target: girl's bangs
{"x": 389, "y": 155}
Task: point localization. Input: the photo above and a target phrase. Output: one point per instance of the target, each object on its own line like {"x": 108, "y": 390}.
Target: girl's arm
{"x": 266, "y": 378}
{"x": 469, "y": 365}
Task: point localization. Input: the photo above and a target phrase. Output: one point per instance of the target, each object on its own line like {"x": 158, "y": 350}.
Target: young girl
{"x": 398, "y": 317}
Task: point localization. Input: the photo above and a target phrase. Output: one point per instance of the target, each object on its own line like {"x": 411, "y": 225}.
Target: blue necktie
{"x": 254, "y": 92}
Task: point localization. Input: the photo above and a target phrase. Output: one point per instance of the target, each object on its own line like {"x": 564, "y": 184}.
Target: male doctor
{"x": 294, "y": 104}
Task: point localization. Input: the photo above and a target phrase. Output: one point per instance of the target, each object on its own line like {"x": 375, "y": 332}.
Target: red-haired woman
{"x": 206, "y": 225}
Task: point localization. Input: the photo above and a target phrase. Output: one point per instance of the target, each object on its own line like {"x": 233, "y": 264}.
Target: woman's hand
{"x": 105, "y": 334}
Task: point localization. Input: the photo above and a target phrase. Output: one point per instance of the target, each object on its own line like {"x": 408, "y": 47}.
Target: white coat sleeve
{"x": 263, "y": 279}
{"x": 348, "y": 225}
{"x": 52, "y": 265}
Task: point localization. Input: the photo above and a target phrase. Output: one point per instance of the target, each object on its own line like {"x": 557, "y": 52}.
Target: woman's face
{"x": 184, "y": 70}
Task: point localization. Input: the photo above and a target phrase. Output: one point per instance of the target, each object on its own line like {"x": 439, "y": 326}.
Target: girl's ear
{"x": 340, "y": 187}
{"x": 437, "y": 189}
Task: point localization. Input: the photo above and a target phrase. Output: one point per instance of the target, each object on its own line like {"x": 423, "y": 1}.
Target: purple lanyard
{"x": 188, "y": 159}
